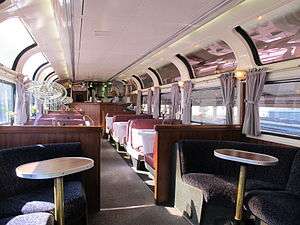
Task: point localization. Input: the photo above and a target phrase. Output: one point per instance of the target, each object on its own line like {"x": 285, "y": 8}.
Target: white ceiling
{"x": 115, "y": 33}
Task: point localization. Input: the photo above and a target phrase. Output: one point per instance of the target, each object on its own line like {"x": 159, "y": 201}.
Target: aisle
{"x": 125, "y": 199}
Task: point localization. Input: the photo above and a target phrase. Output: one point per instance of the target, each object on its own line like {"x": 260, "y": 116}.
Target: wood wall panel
{"x": 98, "y": 110}
{"x": 89, "y": 137}
{"x": 167, "y": 136}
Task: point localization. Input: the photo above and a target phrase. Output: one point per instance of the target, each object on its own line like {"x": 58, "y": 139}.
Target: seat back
{"x": 10, "y": 159}
{"x": 293, "y": 184}
{"x": 198, "y": 156}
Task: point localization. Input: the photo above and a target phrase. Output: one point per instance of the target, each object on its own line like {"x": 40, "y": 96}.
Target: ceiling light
{"x": 259, "y": 18}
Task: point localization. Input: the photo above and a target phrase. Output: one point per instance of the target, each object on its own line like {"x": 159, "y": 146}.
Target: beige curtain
{"x": 228, "y": 84}
{"x": 186, "y": 101}
{"x": 149, "y": 102}
{"x": 175, "y": 100}
{"x": 156, "y": 97}
{"x": 139, "y": 102}
{"x": 254, "y": 88}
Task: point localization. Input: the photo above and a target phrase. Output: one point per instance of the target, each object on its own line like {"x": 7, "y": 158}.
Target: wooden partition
{"x": 97, "y": 111}
{"x": 89, "y": 137}
{"x": 167, "y": 136}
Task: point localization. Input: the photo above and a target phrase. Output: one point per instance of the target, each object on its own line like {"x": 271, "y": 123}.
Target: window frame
{"x": 281, "y": 81}
{"x": 13, "y": 85}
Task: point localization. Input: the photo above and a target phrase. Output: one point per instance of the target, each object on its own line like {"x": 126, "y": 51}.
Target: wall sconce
{"x": 240, "y": 75}
{"x": 180, "y": 83}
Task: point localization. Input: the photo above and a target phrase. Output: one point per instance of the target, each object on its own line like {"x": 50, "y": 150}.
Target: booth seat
{"x": 56, "y": 121}
{"x": 205, "y": 186}
{"x": 109, "y": 119}
{"x": 25, "y": 201}
{"x": 119, "y": 130}
{"x": 134, "y": 143}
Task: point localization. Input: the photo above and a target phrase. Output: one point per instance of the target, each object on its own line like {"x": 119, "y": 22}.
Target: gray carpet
{"x": 125, "y": 199}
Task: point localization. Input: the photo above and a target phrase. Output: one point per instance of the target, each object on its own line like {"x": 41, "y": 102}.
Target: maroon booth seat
{"x": 127, "y": 117}
{"x": 134, "y": 145}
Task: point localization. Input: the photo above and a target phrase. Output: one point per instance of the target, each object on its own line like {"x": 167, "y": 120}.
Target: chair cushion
{"x": 29, "y": 219}
{"x": 274, "y": 207}
{"x": 10, "y": 159}
{"x": 41, "y": 200}
{"x": 222, "y": 188}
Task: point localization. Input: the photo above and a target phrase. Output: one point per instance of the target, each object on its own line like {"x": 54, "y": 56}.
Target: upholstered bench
{"x": 29, "y": 219}
{"x": 205, "y": 186}
{"x": 30, "y": 197}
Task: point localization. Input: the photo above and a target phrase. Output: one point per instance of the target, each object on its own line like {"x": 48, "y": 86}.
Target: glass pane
{"x": 169, "y": 73}
{"x": 45, "y": 73}
{"x": 165, "y": 104}
{"x": 207, "y": 107}
{"x": 277, "y": 35}
{"x": 215, "y": 58}
{"x": 146, "y": 80}
{"x": 6, "y": 101}
{"x": 144, "y": 103}
{"x": 33, "y": 63}
{"x": 279, "y": 108}
{"x": 52, "y": 78}
{"x": 132, "y": 85}
{"x": 14, "y": 38}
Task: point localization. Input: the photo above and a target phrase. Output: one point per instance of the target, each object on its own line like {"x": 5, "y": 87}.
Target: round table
{"x": 55, "y": 169}
{"x": 244, "y": 158}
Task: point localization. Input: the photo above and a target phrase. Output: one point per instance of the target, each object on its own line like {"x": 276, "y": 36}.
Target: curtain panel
{"x": 255, "y": 82}
{"x": 139, "y": 102}
{"x": 175, "y": 100}
{"x": 20, "y": 104}
{"x": 186, "y": 101}
{"x": 156, "y": 103}
{"x": 149, "y": 102}
{"x": 227, "y": 87}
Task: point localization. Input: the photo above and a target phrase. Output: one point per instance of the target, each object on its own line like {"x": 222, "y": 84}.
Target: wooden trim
{"x": 89, "y": 137}
{"x": 167, "y": 136}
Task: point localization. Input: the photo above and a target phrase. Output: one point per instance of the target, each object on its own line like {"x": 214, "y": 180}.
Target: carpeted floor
{"x": 126, "y": 199}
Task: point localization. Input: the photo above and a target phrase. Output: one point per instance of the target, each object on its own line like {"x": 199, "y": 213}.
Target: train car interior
{"x": 149, "y": 112}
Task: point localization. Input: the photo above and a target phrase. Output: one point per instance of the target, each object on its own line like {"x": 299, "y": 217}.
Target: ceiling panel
{"x": 115, "y": 33}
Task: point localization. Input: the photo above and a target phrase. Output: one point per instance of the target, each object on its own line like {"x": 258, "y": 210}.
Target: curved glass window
{"x": 169, "y": 73}
{"x": 276, "y": 36}
{"x": 33, "y": 63}
{"x": 14, "y": 38}
{"x": 146, "y": 80}
{"x": 208, "y": 107}
{"x": 132, "y": 85}
{"x": 6, "y": 101}
{"x": 44, "y": 73}
{"x": 216, "y": 58}
{"x": 52, "y": 78}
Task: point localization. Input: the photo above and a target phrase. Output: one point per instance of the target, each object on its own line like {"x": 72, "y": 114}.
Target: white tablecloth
{"x": 119, "y": 131}
{"x": 109, "y": 123}
{"x": 148, "y": 139}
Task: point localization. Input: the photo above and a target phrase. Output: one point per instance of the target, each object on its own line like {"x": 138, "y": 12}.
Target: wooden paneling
{"x": 89, "y": 137}
{"x": 167, "y": 136}
{"x": 98, "y": 111}
{"x": 91, "y": 109}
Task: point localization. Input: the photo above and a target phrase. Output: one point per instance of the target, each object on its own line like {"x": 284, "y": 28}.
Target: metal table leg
{"x": 240, "y": 194}
{"x": 59, "y": 201}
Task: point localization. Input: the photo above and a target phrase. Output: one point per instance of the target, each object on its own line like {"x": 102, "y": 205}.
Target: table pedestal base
{"x": 59, "y": 214}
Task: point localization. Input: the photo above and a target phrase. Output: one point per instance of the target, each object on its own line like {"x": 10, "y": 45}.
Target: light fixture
{"x": 240, "y": 74}
{"x": 180, "y": 83}
{"x": 259, "y": 18}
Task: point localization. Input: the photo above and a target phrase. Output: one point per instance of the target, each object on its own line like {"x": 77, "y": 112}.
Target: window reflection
{"x": 279, "y": 108}
{"x": 277, "y": 38}
{"x": 216, "y": 58}
{"x": 6, "y": 101}
{"x": 14, "y": 38}
{"x": 146, "y": 80}
{"x": 169, "y": 73}
{"x": 33, "y": 63}
{"x": 208, "y": 107}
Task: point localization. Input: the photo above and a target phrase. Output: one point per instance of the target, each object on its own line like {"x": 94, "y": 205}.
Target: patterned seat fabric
{"x": 24, "y": 196}
{"x": 29, "y": 219}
